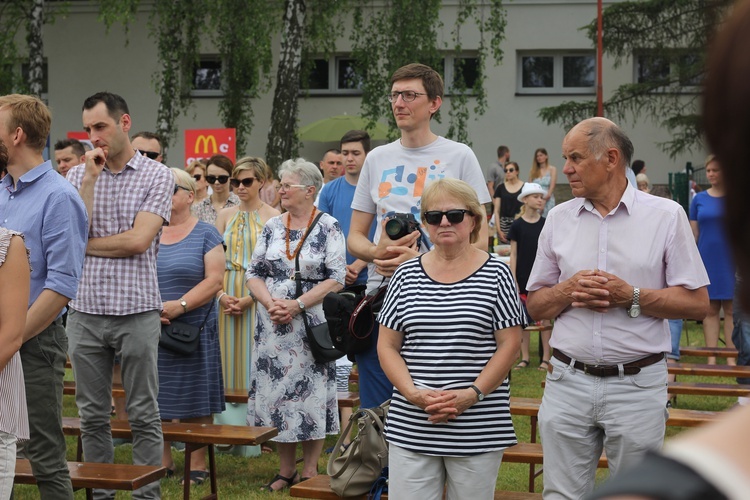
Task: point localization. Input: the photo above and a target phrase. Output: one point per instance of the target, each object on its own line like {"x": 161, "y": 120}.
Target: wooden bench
{"x": 320, "y": 487}
{"x": 722, "y": 352}
{"x": 195, "y": 437}
{"x": 709, "y": 370}
{"x": 705, "y": 389}
{"x": 93, "y": 475}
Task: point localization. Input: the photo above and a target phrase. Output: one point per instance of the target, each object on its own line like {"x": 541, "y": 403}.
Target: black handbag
{"x": 318, "y": 336}
{"x": 181, "y": 337}
{"x": 350, "y": 314}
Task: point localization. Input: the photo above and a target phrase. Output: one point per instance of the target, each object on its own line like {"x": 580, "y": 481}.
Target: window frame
{"x": 557, "y": 72}
{"x": 208, "y": 92}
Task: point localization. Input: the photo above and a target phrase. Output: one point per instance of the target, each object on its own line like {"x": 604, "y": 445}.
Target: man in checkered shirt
{"x": 128, "y": 198}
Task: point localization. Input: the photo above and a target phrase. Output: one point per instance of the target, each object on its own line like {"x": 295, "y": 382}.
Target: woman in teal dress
{"x": 241, "y": 226}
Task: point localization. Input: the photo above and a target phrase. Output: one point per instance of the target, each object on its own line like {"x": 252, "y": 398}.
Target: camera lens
{"x": 395, "y": 229}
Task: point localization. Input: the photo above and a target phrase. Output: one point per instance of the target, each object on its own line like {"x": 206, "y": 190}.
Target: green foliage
{"x": 243, "y": 38}
{"x": 387, "y": 35}
{"x": 670, "y": 33}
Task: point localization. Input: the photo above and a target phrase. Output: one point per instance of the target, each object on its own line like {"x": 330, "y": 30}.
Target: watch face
{"x": 634, "y": 311}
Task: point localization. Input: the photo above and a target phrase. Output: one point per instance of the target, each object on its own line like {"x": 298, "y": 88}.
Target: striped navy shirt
{"x": 448, "y": 339}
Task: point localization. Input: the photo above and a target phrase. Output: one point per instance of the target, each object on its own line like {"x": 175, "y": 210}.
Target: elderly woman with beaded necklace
{"x": 288, "y": 388}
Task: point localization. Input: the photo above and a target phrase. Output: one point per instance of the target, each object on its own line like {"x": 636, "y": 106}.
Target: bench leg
{"x": 189, "y": 449}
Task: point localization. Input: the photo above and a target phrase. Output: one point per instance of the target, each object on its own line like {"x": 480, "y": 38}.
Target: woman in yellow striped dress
{"x": 241, "y": 226}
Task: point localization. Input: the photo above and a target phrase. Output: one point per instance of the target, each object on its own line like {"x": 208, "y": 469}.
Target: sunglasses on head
{"x": 434, "y": 217}
{"x": 247, "y": 182}
{"x": 511, "y": 169}
{"x": 221, "y": 178}
{"x": 150, "y": 154}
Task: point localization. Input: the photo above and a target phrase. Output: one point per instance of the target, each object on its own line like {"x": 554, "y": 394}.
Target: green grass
{"x": 242, "y": 477}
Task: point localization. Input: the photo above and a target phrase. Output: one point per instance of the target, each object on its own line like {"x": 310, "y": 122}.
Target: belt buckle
{"x": 586, "y": 368}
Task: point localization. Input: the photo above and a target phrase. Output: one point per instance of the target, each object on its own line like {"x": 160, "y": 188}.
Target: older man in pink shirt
{"x": 612, "y": 266}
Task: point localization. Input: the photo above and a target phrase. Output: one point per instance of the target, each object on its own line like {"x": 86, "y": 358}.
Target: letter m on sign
{"x": 204, "y": 143}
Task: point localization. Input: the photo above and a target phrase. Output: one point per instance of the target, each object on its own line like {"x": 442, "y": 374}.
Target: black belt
{"x": 610, "y": 370}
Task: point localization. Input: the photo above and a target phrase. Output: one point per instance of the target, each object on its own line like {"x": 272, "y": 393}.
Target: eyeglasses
{"x": 434, "y": 218}
{"x": 406, "y": 95}
{"x": 150, "y": 154}
{"x": 221, "y": 178}
{"x": 247, "y": 182}
{"x": 198, "y": 177}
{"x": 508, "y": 170}
{"x": 177, "y": 187}
{"x": 287, "y": 187}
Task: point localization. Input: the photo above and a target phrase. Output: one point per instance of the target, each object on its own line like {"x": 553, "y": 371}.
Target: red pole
{"x": 599, "y": 51}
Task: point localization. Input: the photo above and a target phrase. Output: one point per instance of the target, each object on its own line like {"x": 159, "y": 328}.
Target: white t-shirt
{"x": 393, "y": 179}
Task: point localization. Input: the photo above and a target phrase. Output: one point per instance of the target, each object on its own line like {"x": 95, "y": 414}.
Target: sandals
{"x": 524, "y": 363}
{"x": 197, "y": 477}
{"x": 278, "y": 477}
{"x": 543, "y": 366}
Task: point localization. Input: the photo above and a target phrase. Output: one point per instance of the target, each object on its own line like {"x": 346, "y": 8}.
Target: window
{"x": 470, "y": 71}
{"x": 336, "y": 75}
{"x": 676, "y": 71}
{"x": 552, "y": 72}
{"x": 207, "y": 77}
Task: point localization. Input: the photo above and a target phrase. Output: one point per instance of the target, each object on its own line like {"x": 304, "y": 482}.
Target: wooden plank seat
{"x": 93, "y": 475}
{"x": 531, "y": 453}
{"x": 706, "y": 389}
{"x": 538, "y": 328}
{"x": 195, "y": 437}
{"x": 708, "y": 370}
{"x": 319, "y": 487}
{"x": 722, "y": 352}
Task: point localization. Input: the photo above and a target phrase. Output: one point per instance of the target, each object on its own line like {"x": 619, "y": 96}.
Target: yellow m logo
{"x": 205, "y": 140}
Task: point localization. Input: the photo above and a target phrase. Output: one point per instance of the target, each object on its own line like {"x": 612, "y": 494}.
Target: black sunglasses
{"x": 434, "y": 218}
{"x": 198, "y": 177}
{"x": 150, "y": 154}
{"x": 177, "y": 187}
{"x": 221, "y": 178}
{"x": 507, "y": 170}
{"x": 247, "y": 182}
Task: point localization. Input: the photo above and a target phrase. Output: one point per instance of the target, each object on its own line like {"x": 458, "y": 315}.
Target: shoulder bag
{"x": 318, "y": 336}
{"x": 181, "y": 337}
{"x": 355, "y": 471}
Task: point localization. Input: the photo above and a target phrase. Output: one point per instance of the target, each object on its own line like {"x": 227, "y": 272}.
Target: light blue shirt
{"x": 50, "y": 213}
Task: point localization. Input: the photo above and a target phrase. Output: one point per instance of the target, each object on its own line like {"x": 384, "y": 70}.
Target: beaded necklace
{"x": 292, "y": 256}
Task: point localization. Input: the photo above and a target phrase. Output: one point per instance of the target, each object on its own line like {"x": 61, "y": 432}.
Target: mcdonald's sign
{"x": 204, "y": 143}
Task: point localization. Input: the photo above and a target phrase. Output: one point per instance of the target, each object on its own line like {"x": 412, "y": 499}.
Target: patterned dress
{"x": 545, "y": 182}
{"x": 236, "y": 332}
{"x": 288, "y": 389}
{"x": 205, "y": 210}
{"x": 190, "y": 386}
{"x": 13, "y": 416}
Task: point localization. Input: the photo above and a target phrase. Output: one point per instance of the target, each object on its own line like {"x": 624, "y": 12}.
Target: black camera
{"x": 399, "y": 225}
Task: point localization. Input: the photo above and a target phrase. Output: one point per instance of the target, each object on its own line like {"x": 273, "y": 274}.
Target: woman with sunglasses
{"x": 450, "y": 328}
{"x": 241, "y": 226}
{"x": 197, "y": 171}
{"x": 506, "y": 201}
{"x": 288, "y": 388}
{"x": 545, "y": 175}
{"x": 189, "y": 267}
{"x": 218, "y": 173}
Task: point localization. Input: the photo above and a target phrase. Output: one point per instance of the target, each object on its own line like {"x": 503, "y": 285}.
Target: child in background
{"x": 524, "y": 237}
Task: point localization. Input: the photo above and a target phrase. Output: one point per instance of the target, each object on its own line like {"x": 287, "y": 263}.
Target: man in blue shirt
{"x": 46, "y": 208}
{"x": 336, "y": 197}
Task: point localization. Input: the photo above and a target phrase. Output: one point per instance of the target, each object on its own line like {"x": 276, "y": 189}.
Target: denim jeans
{"x": 43, "y": 359}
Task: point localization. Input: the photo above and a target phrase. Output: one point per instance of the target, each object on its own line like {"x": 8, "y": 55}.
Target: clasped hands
{"x": 443, "y": 405}
{"x": 282, "y": 310}
{"x": 597, "y": 290}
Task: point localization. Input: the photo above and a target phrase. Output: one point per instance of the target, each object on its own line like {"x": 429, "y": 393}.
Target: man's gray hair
{"x": 603, "y": 135}
{"x": 309, "y": 173}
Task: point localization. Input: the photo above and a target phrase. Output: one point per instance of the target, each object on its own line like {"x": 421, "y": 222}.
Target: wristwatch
{"x": 183, "y": 303}
{"x": 301, "y": 305}
{"x": 635, "y": 307}
{"x": 480, "y": 396}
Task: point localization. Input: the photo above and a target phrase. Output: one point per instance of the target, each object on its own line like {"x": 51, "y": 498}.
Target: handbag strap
{"x": 297, "y": 273}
